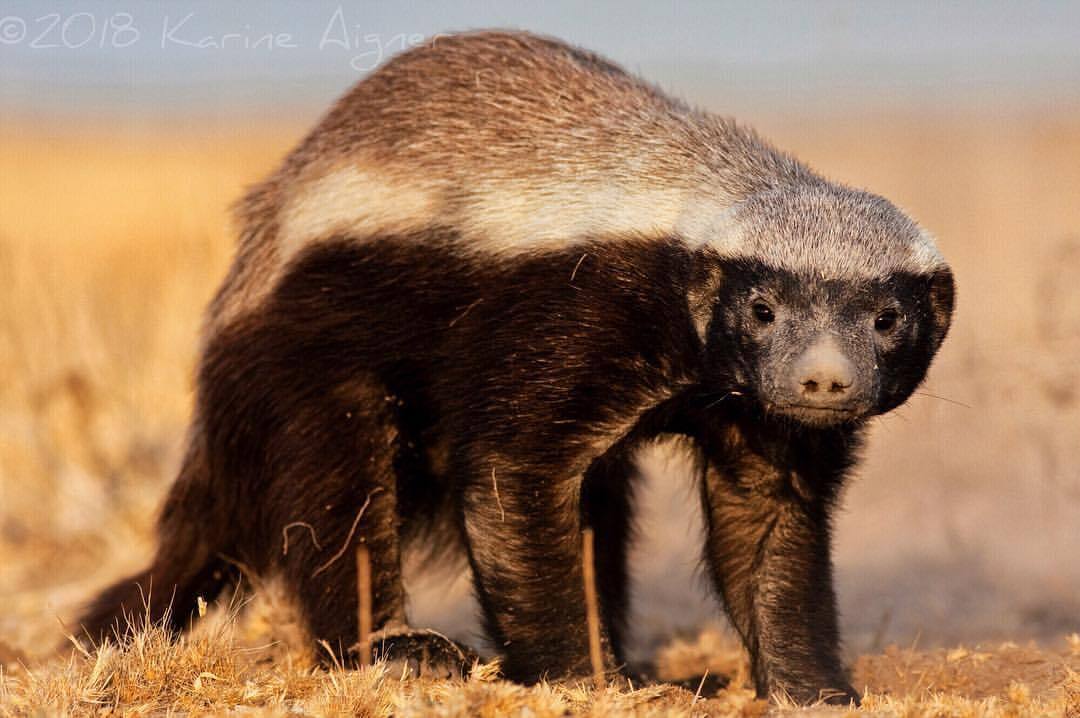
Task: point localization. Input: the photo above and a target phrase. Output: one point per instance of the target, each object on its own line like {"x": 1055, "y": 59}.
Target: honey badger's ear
{"x": 703, "y": 284}
{"x": 942, "y": 297}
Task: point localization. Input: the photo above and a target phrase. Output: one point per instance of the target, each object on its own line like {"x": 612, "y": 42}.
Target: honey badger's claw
{"x": 841, "y": 697}
{"x": 419, "y": 652}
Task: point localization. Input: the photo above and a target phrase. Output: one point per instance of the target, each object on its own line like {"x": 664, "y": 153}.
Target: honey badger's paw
{"x": 841, "y": 696}
{"x": 415, "y": 652}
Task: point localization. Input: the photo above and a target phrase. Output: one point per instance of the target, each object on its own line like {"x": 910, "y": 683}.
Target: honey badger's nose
{"x": 823, "y": 375}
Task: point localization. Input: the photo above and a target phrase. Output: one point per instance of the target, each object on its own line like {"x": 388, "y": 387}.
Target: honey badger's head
{"x": 829, "y": 306}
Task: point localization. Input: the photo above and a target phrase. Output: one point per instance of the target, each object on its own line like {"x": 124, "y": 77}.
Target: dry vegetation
{"x": 112, "y": 240}
{"x": 259, "y": 662}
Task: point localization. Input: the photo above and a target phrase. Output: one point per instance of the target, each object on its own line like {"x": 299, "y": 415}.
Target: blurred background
{"x": 127, "y": 130}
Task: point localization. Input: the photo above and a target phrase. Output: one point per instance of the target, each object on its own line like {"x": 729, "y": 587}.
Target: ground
{"x": 955, "y": 557}
{"x": 258, "y": 662}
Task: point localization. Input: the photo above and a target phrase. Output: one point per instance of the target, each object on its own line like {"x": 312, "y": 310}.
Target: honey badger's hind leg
{"x": 336, "y": 489}
{"x": 315, "y": 445}
{"x": 186, "y": 568}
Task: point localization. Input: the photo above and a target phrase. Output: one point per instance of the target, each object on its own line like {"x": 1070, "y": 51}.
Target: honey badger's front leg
{"x": 768, "y": 494}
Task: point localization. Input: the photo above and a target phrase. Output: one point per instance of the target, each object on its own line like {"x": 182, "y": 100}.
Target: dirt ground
{"x": 956, "y": 553}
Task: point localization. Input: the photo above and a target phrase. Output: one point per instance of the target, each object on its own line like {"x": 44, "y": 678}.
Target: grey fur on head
{"x": 817, "y": 228}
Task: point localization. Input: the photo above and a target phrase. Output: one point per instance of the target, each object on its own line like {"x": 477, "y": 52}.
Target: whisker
{"x": 725, "y": 396}
{"x": 943, "y": 398}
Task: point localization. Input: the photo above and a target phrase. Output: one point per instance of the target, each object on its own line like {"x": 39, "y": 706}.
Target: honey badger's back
{"x": 516, "y": 142}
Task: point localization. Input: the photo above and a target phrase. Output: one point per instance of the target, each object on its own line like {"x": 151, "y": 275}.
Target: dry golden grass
{"x": 112, "y": 241}
{"x": 247, "y": 662}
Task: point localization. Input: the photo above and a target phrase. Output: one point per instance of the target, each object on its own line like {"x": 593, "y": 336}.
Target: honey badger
{"x": 497, "y": 267}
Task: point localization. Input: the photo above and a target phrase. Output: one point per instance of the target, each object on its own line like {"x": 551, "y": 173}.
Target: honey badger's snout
{"x": 822, "y": 384}
{"x": 823, "y": 376}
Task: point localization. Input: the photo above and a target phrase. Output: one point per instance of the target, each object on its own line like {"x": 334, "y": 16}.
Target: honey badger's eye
{"x": 886, "y": 320}
{"x": 763, "y": 312}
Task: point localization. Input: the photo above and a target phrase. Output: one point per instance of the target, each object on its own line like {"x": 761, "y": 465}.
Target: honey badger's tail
{"x": 187, "y": 565}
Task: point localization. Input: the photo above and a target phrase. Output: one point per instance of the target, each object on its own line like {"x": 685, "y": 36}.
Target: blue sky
{"x": 105, "y": 58}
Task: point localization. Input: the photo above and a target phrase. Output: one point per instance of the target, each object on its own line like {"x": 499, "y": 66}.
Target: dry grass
{"x": 254, "y": 659}
{"x": 244, "y": 661}
{"x": 112, "y": 240}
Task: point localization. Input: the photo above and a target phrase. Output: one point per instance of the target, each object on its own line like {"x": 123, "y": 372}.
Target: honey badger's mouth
{"x": 818, "y": 415}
